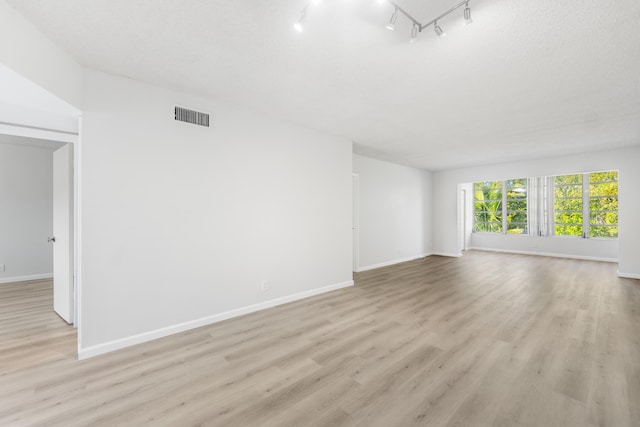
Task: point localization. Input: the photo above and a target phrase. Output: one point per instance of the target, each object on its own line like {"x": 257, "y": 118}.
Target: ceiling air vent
{"x": 190, "y": 116}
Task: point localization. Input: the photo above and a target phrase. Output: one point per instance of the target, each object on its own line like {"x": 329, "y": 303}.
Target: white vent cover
{"x": 190, "y": 116}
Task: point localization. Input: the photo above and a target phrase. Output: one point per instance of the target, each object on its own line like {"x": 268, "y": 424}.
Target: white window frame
{"x": 586, "y": 207}
{"x": 541, "y": 211}
{"x": 505, "y": 210}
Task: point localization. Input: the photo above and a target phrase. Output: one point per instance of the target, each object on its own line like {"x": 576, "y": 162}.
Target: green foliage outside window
{"x": 571, "y": 202}
{"x": 603, "y": 204}
{"x": 517, "y": 206}
{"x": 487, "y": 206}
{"x": 568, "y": 205}
{"x": 602, "y": 199}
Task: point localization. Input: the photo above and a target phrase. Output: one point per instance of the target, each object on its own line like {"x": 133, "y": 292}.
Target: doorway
{"x": 465, "y": 216}
{"x": 38, "y": 191}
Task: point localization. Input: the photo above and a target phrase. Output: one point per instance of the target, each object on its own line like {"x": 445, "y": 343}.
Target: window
{"x": 603, "y": 204}
{"x": 567, "y": 205}
{"x": 487, "y": 206}
{"x": 501, "y": 206}
{"x": 581, "y": 205}
{"x": 586, "y": 205}
{"x": 517, "y": 206}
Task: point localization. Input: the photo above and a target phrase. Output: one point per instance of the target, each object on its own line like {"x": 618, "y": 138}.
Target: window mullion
{"x": 586, "y": 206}
{"x": 550, "y": 206}
{"x": 504, "y": 207}
{"x": 532, "y": 204}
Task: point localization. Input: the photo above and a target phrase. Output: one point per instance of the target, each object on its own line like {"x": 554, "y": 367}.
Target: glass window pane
{"x": 609, "y": 176}
{"x": 568, "y": 230}
{"x": 603, "y": 204}
{"x": 568, "y": 179}
{"x": 517, "y": 206}
{"x": 603, "y": 218}
{"x": 517, "y": 228}
{"x": 568, "y": 205}
{"x": 604, "y": 231}
{"x": 488, "y": 206}
{"x": 570, "y": 217}
{"x": 488, "y": 227}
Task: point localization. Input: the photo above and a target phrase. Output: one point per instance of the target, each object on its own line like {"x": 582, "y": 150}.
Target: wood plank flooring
{"x": 483, "y": 340}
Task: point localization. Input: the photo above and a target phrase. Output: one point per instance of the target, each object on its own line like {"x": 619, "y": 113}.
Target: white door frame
{"x": 54, "y": 135}
{"x": 355, "y": 230}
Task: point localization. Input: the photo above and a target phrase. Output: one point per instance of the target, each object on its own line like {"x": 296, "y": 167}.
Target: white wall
{"x": 23, "y": 103}
{"x": 181, "y": 223}
{"x": 25, "y": 50}
{"x": 395, "y": 212}
{"x": 593, "y": 249}
{"x": 445, "y": 186}
{"x": 26, "y": 212}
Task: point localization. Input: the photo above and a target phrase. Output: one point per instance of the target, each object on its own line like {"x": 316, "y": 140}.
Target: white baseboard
{"x": 549, "y": 254}
{"x": 392, "y": 262}
{"x": 84, "y": 353}
{"x": 458, "y": 255}
{"x": 628, "y": 275}
{"x": 26, "y": 278}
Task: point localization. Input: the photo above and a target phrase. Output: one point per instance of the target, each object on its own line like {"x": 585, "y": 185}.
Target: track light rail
{"x": 406, "y": 14}
{"x": 417, "y": 25}
{"x": 433, "y": 21}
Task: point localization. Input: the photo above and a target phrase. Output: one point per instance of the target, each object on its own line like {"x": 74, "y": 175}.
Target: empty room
{"x": 319, "y": 213}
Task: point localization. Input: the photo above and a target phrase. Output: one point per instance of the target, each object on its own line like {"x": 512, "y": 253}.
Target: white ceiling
{"x": 526, "y": 79}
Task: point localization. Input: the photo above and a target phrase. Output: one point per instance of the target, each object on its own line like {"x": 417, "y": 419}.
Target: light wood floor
{"x": 483, "y": 340}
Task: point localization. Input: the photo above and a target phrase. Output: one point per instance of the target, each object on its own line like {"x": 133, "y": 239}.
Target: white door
{"x": 63, "y": 292}
{"x": 355, "y": 182}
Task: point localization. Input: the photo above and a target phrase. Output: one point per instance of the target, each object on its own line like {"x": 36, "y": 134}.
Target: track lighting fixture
{"x": 298, "y": 25}
{"x": 417, "y": 25}
{"x": 392, "y": 21}
{"x": 414, "y": 33}
{"x": 467, "y": 15}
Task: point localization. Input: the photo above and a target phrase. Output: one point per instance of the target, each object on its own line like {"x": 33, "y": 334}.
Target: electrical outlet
{"x": 264, "y": 286}
{"x": 1, "y": 268}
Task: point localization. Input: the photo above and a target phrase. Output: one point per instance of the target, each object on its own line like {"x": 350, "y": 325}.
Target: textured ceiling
{"x": 526, "y": 79}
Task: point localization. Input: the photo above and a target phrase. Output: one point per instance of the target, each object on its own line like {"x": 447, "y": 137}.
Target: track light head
{"x": 414, "y": 33}
{"x": 392, "y": 21}
{"x": 467, "y": 15}
{"x": 438, "y": 30}
{"x": 298, "y": 25}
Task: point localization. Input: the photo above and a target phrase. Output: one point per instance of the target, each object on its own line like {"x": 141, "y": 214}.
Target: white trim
{"x": 458, "y": 255}
{"x": 84, "y": 353}
{"x": 628, "y": 275}
{"x": 77, "y": 231}
{"x": 392, "y": 262}
{"x": 549, "y": 254}
{"x": 26, "y": 278}
{"x": 355, "y": 215}
{"x": 39, "y": 133}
